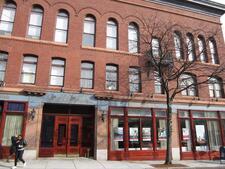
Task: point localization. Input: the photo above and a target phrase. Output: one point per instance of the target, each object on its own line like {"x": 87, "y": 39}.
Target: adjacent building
{"x": 70, "y": 82}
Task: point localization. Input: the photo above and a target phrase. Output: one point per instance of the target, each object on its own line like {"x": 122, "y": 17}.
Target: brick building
{"x": 66, "y": 87}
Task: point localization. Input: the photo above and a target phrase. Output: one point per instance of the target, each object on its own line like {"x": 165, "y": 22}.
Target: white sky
{"x": 223, "y": 17}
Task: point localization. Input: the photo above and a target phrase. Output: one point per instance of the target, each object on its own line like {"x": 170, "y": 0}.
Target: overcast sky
{"x": 223, "y": 17}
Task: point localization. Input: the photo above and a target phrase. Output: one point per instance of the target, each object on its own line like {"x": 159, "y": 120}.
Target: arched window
{"x": 87, "y": 75}
{"x": 62, "y": 22}
{"x": 187, "y": 82}
{"x": 133, "y": 38}
{"x": 89, "y": 31}
{"x": 28, "y": 73}
{"x": 57, "y": 72}
{"x": 3, "y": 64}
{"x": 202, "y": 49}
{"x": 111, "y": 77}
{"x": 35, "y": 23}
{"x": 178, "y": 45}
{"x": 213, "y": 51}
{"x": 7, "y": 18}
{"x": 190, "y": 47}
{"x": 112, "y": 35}
{"x": 215, "y": 87}
{"x": 134, "y": 79}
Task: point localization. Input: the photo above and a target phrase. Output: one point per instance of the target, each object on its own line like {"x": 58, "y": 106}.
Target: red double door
{"x": 67, "y": 135}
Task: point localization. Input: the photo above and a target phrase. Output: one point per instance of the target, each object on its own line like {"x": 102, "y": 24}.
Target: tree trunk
{"x": 168, "y": 159}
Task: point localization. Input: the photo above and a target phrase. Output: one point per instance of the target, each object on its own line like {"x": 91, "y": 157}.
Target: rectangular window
{"x": 201, "y": 135}
{"x": 87, "y": 75}
{"x": 161, "y": 133}
{"x": 57, "y": 72}
{"x": 13, "y": 126}
{"x": 158, "y": 83}
{"x": 111, "y": 77}
{"x": 15, "y": 107}
{"x": 134, "y": 80}
{"x": 28, "y": 73}
{"x": 134, "y": 134}
{"x": 117, "y": 134}
{"x": 3, "y": 63}
{"x": 186, "y": 144}
{"x": 214, "y": 135}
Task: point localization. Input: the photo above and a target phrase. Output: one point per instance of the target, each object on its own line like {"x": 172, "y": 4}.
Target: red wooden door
{"x": 67, "y": 136}
{"x": 74, "y": 136}
{"x": 60, "y": 135}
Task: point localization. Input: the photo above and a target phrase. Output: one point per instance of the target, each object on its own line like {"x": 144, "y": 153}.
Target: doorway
{"x": 67, "y": 135}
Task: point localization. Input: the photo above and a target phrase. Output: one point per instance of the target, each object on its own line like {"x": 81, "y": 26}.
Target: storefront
{"x": 136, "y": 134}
{"x": 13, "y": 117}
{"x": 201, "y": 134}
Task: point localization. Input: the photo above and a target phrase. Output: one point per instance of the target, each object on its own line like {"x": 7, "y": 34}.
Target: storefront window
{"x": 161, "y": 133}
{"x": 185, "y": 135}
{"x": 13, "y": 126}
{"x": 214, "y": 135}
{"x": 117, "y": 134}
{"x": 147, "y": 134}
{"x": 134, "y": 134}
{"x": 201, "y": 135}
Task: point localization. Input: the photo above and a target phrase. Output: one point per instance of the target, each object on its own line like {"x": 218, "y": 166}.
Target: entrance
{"x": 67, "y": 135}
{"x": 67, "y": 130}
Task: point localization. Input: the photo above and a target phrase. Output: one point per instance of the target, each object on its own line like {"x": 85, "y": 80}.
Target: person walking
{"x": 20, "y": 145}
{"x": 12, "y": 150}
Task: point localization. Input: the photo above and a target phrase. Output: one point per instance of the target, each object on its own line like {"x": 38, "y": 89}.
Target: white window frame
{"x": 111, "y": 24}
{"x": 90, "y": 69}
{"x": 31, "y": 61}
{"x": 65, "y": 16}
{"x": 134, "y": 79}
{"x": 91, "y": 22}
{"x": 36, "y": 11}
{"x": 133, "y": 38}
{"x": 7, "y": 20}
{"x": 57, "y": 63}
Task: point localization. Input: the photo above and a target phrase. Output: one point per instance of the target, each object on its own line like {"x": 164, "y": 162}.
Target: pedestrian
{"x": 20, "y": 145}
{"x": 12, "y": 149}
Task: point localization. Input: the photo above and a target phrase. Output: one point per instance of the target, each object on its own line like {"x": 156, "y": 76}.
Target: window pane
{"x": 214, "y": 135}
{"x": 13, "y": 126}
{"x": 57, "y": 71}
{"x": 117, "y": 111}
{"x": 8, "y": 14}
{"x": 222, "y": 115}
{"x": 161, "y": 133}
{"x": 133, "y": 34}
{"x": 147, "y": 134}
{"x": 184, "y": 114}
{"x": 29, "y": 68}
{"x": 117, "y": 137}
{"x": 2, "y": 66}
{"x": 111, "y": 85}
{"x": 58, "y": 81}
{"x": 88, "y": 40}
{"x": 88, "y": 74}
{"x": 60, "y": 36}
{"x": 112, "y": 31}
{"x": 139, "y": 112}
{"x": 201, "y": 135}
{"x": 36, "y": 19}
{"x": 155, "y": 47}
{"x": 89, "y": 27}
{"x": 18, "y": 107}
{"x": 34, "y": 32}
{"x": 177, "y": 42}
{"x": 87, "y": 65}
{"x": 111, "y": 43}
{"x": 6, "y": 26}
{"x": 30, "y": 59}
{"x": 62, "y": 23}
{"x": 134, "y": 134}
{"x": 133, "y": 46}
{"x": 2, "y": 76}
{"x": 111, "y": 76}
{"x": 86, "y": 83}
{"x": 28, "y": 78}
{"x": 47, "y": 132}
{"x": 186, "y": 144}
{"x": 160, "y": 113}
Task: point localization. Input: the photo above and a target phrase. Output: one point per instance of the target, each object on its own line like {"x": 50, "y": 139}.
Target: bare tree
{"x": 172, "y": 60}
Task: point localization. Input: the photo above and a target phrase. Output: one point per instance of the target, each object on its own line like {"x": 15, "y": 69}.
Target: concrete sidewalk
{"x": 83, "y": 163}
